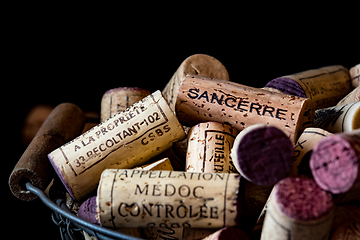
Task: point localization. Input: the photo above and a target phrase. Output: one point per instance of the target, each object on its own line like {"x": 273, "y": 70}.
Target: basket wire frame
{"x": 70, "y": 225}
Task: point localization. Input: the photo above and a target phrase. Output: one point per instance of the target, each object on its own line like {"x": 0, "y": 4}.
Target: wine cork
{"x": 325, "y": 86}
{"x": 125, "y": 140}
{"x": 347, "y": 232}
{"x": 353, "y": 96}
{"x": 355, "y": 75}
{"x": 118, "y": 99}
{"x": 334, "y": 162}
{"x": 87, "y": 210}
{"x": 298, "y": 209}
{"x": 303, "y": 148}
{"x": 209, "y": 146}
{"x": 63, "y": 124}
{"x": 154, "y": 233}
{"x": 203, "y": 99}
{"x": 135, "y": 198}
{"x": 341, "y": 118}
{"x": 198, "y": 64}
{"x": 262, "y": 154}
{"x": 162, "y": 164}
{"x": 228, "y": 233}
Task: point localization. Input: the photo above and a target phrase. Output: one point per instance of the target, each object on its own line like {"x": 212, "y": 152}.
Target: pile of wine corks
{"x": 210, "y": 158}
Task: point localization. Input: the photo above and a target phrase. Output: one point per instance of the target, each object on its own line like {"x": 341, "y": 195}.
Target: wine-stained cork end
{"x": 287, "y": 86}
{"x": 334, "y": 164}
{"x": 61, "y": 176}
{"x": 302, "y": 199}
{"x": 87, "y": 210}
{"x": 262, "y": 154}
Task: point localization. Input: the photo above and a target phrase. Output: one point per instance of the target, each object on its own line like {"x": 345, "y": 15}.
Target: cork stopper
{"x": 262, "y": 154}
{"x": 301, "y": 198}
{"x": 287, "y": 86}
{"x": 87, "y": 210}
{"x": 334, "y": 162}
{"x": 355, "y": 75}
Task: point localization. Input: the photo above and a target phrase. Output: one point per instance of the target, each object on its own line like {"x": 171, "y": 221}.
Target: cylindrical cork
{"x": 198, "y": 64}
{"x": 325, "y": 86}
{"x": 341, "y": 118}
{"x": 355, "y": 75}
{"x": 299, "y": 209}
{"x": 209, "y": 146}
{"x": 353, "y": 96}
{"x": 136, "y": 198}
{"x": 125, "y": 140}
{"x": 262, "y": 154}
{"x": 118, "y": 99}
{"x": 334, "y": 162}
{"x": 303, "y": 148}
{"x": 202, "y": 99}
{"x": 64, "y": 123}
{"x": 227, "y": 233}
{"x": 162, "y": 164}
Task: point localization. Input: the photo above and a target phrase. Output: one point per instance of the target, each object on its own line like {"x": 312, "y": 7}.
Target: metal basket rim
{"x": 84, "y": 225}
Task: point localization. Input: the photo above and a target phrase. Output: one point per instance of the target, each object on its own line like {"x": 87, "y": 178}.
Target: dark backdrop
{"x": 77, "y": 61}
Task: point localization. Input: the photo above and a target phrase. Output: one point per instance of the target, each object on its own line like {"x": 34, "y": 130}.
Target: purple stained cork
{"x": 87, "y": 210}
{"x": 302, "y": 199}
{"x": 263, "y": 154}
{"x": 287, "y": 86}
{"x": 61, "y": 177}
{"x": 334, "y": 162}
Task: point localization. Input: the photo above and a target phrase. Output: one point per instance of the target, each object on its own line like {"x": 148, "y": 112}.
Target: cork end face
{"x": 114, "y": 90}
{"x": 334, "y": 164}
{"x": 204, "y": 65}
{"x": 88, "y": 210}
{"x": 17, "y": 181}
{"x": 301, "y": 198}
{"x": 264, "y": 155}
{"x": 287, "y": 86}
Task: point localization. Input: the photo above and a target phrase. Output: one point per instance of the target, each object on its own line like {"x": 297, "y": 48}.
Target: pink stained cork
{"x": 301, "y": 198}
{"x": 334, "y": 162}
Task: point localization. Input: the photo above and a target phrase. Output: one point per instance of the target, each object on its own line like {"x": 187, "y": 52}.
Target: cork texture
{"x": 203, "y": 99}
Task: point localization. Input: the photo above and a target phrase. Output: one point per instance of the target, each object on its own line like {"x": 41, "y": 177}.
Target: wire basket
{"x": 70, "y": 225}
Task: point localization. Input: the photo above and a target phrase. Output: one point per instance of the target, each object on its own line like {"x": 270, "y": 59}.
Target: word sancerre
{"x": 236, "y": 103}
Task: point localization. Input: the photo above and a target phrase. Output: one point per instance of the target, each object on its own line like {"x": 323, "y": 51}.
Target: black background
{"x": 54, "y": 59}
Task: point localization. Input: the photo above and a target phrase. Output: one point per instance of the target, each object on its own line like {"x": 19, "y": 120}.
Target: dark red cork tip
{"x": 265, "y": 155}
{"x": 301, "y": 198}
